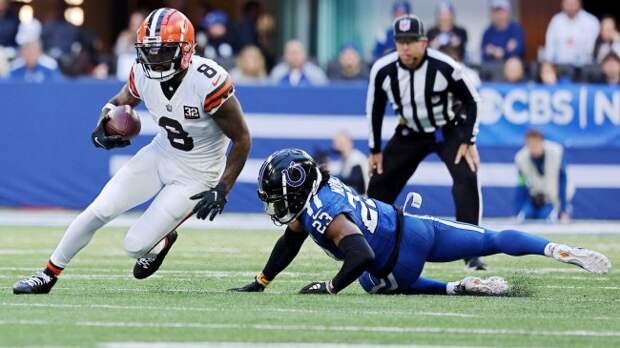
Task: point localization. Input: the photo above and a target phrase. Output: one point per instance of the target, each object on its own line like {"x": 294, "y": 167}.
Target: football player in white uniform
{"x": 185, "y": 167}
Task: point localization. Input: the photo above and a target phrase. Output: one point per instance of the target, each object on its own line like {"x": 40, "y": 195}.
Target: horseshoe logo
{"x": 295, "y": 175}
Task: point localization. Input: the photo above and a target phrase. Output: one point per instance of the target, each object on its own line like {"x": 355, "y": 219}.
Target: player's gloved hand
{"x": 211, "y": 202}
{"x": 258, "y": 285}
{"x": 100, "y": 139}
{"x": 317, "y": 288}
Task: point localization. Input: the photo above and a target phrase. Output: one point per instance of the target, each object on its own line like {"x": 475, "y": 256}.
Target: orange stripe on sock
{"x": 53, "y": 268}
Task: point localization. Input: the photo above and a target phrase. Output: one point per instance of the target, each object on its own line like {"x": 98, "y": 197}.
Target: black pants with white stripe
{"x": 401, "y": 157}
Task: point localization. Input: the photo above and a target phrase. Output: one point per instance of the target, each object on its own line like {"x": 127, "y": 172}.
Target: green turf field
{"x": 97, "y": 300}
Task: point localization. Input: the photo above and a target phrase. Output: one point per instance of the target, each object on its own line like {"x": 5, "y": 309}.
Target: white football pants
{"x": 151, "y": 172}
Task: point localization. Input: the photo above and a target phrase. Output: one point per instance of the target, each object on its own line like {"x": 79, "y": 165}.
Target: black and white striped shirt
{"x": 423, "y": 97}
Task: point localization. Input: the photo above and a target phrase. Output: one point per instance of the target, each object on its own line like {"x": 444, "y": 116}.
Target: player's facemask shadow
{"x": 159, "y": 60}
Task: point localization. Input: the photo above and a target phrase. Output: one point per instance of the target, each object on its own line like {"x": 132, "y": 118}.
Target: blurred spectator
{"x": 219, "y": 44}
{"x": 611, "y": 68}
{"x": 544, "y": 191}
{"x": 59, "y": 36}
{"x": 124, "y": 48}
{"x": 348, "y": 66}
{"x": 127, "y": 38}
{"x": 385, "y": 40}
{"x": 32, "y": 65}
{"x": 571, "y": 35}
{"x": 250, "y": 68}
{"x": 265, "y": 27}
{"x": 547, "y": 74}
{"x": 245, "y": 29}
{"x": 504, "y": 37}
{"x": 75, "y": 48}
{"x": 84, "y": 58}
{"x": 445, "y": 33}
{"x": 8, "y": 25}
{"x": 514, "y": 71}
{"x": 4, "y": 63}
{"x": 607, "y": 40}
{"x": 469, "y": 73}
{"x": 353, "y": 169}
{"x": 295, "y": 70}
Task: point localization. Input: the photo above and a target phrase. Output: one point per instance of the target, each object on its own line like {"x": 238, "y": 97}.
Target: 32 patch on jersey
{"x": 191, "y": 112}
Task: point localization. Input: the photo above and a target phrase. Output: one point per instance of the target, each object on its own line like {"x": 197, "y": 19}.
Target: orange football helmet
{"x": 165, "y": 43}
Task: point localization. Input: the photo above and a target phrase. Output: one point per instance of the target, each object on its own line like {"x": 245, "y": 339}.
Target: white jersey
{"x": 188, "y": 131}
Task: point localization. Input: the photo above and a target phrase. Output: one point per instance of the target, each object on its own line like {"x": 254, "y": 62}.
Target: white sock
{"x": 549, "y": 249}
{"x": 450, "y": 288}
{"x": 76, "y": 237}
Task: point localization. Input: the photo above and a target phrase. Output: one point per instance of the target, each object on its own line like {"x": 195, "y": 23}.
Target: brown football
{"x": 124, "y": 121}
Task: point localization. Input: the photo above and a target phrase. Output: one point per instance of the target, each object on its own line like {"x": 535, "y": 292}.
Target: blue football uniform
{"x": 423, "y": 238}
{"x": 375, "y": 219}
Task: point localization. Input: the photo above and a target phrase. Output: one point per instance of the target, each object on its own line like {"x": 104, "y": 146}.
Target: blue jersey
{"x": 376, "y": 220}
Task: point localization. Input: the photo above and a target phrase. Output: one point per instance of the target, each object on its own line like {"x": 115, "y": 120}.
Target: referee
{"x": 437, "y": 108}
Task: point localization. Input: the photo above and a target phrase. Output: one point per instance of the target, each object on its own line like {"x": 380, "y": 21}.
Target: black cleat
{"x": 41, "y": 283}
{"x": 146, "y": 266}
{"x": 475, "y": 264}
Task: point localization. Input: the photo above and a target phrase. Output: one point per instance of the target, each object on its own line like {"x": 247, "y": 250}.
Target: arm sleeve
{"x": 283, "y": 253}
{"x": 131, "y": 83}
{"x": 376, "y": 100}
{"x": 216, "y": 97}
{"x": 463, "y": 90}
{"x": 358, "y": 255}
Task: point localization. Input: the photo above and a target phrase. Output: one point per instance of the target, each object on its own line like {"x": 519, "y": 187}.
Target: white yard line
{"x": 254, "y": 221}
{"x": 244, "y": 310}
{"x": 322, "y": 328}
{"x": 580, "y": 287}
{"x": 270, "y": 309}
{"x": 263, "y": 345}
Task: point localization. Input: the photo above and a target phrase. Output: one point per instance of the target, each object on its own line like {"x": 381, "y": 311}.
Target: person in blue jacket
{"x": 504, "y": 37}
{"x": 385, "y": 41}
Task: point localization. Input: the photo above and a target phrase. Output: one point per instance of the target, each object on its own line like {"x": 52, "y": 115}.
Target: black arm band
{"x": 357, "y": 257}
{"x": 283, "y": 253}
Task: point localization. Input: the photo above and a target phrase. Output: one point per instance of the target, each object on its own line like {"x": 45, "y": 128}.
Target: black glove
{"x": 100, "y": 139}
{"x": 211, "y": 202}
{"x": 252, "y": 287}
{"x": 316, "y": 288}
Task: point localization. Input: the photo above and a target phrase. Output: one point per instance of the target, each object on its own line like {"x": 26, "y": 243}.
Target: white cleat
{"x": 494, "y": 286}
{"x": 589, "y": 260}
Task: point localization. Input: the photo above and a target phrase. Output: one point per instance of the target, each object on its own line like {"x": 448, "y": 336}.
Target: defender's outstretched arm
{"x": 358, "y": 255}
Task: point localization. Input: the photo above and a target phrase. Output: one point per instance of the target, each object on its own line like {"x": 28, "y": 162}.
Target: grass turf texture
{"x": 97, "y": 300}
